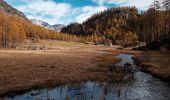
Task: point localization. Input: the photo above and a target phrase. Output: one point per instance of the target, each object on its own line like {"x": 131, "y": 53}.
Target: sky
{"x": 69, "y": 11}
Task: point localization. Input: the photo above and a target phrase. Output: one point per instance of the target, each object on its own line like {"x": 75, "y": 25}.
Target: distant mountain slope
{"x": 40, "y": 23}
{"x": 109, "y": 21}
{"x": 6, "y": 8}
{"x": 56, "y": 27}
{"x": 14, "y": 30}
{"x": 115, "y": 24}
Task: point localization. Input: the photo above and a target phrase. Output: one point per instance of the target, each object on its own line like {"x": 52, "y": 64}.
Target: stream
{"x": 143, "y": 87}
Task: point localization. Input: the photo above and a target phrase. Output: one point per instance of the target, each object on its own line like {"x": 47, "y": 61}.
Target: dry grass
{"x": 53, "y": 43}
{"x": 120, "y": 75}
{"x": 107, "y": 60}
{"x": 155, "y": 62}
{"x": 65, "y": 63}
{"x": 116, "y": 73}
{"x": 24, "y": 70}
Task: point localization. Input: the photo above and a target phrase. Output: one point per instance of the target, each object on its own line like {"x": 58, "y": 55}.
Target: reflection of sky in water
{"x": 125, "y": 58}
{"x": 144, "y": 87}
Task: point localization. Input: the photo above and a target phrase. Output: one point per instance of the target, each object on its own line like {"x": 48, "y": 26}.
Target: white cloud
{"x": 64, "y": 13}
{"x": 61, "y": 13}
{"x": 100, "y": 2}
{"x": 118, "y": 2}
{"x": 88, "y": 11}
{"x": 141, "y": 4}
{"x": 46, "y": 10}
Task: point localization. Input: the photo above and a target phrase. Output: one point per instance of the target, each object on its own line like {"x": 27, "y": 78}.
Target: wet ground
{"x": 143, "y": 87}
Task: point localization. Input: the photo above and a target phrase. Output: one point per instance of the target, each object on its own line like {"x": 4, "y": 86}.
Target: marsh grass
{"x": 53, "y": 43}
{"x": 155, "y": 62}
{"x": 107, "y": 59}
{"x": 116, "y": 74}
{"x": 26, "y": 70}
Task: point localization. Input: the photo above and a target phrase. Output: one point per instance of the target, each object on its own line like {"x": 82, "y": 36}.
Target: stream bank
{"x": 143, "y": 87}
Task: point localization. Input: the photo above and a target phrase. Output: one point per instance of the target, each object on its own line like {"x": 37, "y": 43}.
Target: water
{"x": 144, "y": 87}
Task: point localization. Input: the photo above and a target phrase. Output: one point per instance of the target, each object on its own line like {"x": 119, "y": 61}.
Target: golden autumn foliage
{"x": 14, "y": 30}
{"x": 128, "y": 25}
{"x": 109, "y": 26}
{"x": 123, "y": 25}
{"x": 154, "y": 25}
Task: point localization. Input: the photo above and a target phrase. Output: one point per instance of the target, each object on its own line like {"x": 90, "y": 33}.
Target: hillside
{"x": 126, "y": 26}
{"x": 113, "y": 25}
{"x": 15, "y": 28}
{"x": 123, "y": 25}
{"x": 6, "y": 8}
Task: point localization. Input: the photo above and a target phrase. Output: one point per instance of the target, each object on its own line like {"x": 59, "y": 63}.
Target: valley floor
{"x": 21, "y": 70}
{"x": 67, "y": 63}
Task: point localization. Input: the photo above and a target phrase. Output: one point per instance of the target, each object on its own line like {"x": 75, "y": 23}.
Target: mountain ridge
{"x": 114, "y": 25}
{"x": 6, "y": 8}
{"x": 55, "y": 27}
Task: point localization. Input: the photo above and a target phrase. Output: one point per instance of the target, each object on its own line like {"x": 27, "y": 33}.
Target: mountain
{"x": 6, "y": 8}
{"x": 108, "y": 21}
{"x": 16, "y": 30}
{"x": 114, "y": 24}
{"x": 40, "y": 23}
{"x": 56, "y": 27}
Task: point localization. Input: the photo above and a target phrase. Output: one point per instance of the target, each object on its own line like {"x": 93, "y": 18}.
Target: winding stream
{"x": 143, "y": 87}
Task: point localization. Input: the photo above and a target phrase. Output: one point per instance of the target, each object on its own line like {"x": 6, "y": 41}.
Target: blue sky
{"x": 67, "y": 11}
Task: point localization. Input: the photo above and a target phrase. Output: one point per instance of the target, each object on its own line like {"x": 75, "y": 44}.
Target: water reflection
{"x": 144, "y": 87}
{"x": 138, "y": 90}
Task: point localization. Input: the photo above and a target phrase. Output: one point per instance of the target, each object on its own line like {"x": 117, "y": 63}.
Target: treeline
{"x": 128, "y": 26}
{"x": 15, "y": 30}
{"x": 115, "y": 25}
{"x": 124, "y": 25}
{"x": 154, "y": 25}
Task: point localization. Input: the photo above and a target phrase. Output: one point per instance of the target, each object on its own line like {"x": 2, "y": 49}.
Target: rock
{"x": 113, "y": 68}
{"x": 128, "y": 67}
{"x": 34, "y": 93}
{"x": 121, "y": 73}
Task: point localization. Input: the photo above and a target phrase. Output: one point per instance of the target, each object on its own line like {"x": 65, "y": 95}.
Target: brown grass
{"x": 24, "y": 70}
{"x": 155, "y": 62}
{"x": 107, "y": 59}
{"x": 119, "y": 74}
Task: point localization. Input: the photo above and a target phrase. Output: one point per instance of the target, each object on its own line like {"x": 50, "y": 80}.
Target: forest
{"x": 114, "y": 25}
{"x": 154, "y": 25}
{"x": 128, "y": 26}
{"x": 123, "y": 25}
{"x": 15, "y": 30}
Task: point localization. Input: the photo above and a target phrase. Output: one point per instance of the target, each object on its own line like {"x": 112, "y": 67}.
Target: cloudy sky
{"x": 67, "y": 11}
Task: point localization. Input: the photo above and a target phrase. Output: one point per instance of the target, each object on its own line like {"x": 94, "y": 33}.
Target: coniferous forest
{"x": 15, "y": 30}
{"x": 127, "y": 25}
{"x": 122, "y": 25}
